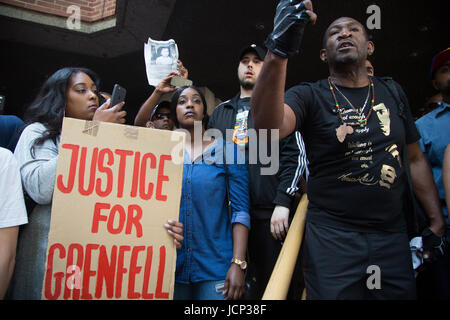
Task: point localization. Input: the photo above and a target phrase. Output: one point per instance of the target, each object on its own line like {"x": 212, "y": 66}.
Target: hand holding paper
{"x": 161, "y": 58}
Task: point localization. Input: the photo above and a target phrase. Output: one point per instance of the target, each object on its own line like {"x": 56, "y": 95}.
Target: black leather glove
{"x": 432, "y": 244}
{"x": 289, "y": 24}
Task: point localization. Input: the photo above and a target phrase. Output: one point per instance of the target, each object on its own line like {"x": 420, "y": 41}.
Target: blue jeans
{"x": 205, "y": 290}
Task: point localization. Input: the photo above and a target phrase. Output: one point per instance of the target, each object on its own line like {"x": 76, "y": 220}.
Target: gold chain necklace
{"x": 362, "y": 119}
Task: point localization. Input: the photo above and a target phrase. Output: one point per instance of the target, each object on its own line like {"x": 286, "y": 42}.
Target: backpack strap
{"x": 389, "y": 83}
{"x": 416, "y": 218}
{"x": 227, "y": 184}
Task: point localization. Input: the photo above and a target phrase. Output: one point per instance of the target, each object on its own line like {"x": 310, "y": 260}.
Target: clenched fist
{"x": 289, "y": 24}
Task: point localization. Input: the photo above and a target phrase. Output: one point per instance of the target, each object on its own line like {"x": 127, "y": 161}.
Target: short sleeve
{"x": 298, "y": 98}
{"x": 411, "y": 133}
{"x": 12, "y": 205}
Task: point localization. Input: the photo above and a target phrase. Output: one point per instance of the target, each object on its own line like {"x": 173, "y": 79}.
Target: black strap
{"x": 392, "y": 88}
{"x": 227, "y": 187}
{"x": 416, "y": 221}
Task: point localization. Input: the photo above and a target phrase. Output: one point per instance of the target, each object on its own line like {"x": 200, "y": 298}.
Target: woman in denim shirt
{"x": 211, "y": 263}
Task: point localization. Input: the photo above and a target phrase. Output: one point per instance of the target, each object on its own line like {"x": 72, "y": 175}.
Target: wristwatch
{"x": 241, "y": 263}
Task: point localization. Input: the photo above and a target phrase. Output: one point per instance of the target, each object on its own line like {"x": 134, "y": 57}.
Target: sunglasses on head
{"x": 160, "y": 116}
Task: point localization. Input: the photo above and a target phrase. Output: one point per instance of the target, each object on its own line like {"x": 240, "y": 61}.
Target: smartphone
{"x": 180, "y": 82}
{"x": 118, "y": 95}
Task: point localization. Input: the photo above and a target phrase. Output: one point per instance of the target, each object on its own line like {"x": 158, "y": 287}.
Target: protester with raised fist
{"x": 359, "y": 135}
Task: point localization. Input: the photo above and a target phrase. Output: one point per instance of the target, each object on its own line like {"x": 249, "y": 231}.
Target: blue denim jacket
{"x": 208, "y": 244}
{"x": 434, "y": 127}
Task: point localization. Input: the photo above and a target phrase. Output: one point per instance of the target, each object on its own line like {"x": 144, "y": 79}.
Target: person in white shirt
{"x": 12, "y": 214}
{"x": 69, "y": 92}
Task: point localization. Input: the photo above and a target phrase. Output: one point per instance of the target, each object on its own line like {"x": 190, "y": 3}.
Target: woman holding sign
{"x": 211, "y": 263}
{"x": 69, "y": 92}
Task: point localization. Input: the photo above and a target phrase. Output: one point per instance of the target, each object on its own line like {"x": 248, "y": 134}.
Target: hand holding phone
{"x": 118, "y": 95}
{"x": 180, "y": 82}
{"x": 110, "y": 114}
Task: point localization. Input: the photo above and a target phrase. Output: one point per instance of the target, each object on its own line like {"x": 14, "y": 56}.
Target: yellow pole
{"x": 278, "y": 285}
{"x": 304, "y": 294}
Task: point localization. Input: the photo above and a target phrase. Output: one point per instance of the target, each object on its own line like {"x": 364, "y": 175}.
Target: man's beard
{"x": 344, "y": 61}
{"x": 247, "y": 85}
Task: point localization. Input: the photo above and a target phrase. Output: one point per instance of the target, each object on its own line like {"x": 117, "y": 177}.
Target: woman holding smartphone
{"x": 69, "y": 92}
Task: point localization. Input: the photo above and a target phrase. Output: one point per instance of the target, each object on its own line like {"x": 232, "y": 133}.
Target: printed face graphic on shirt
{"x": 383, "y": 116}
{"x": 393, "y": 150}
{"x": 240, "y": 133}
{"x": 362, "y": 152}
{"x": 387, "y": 176}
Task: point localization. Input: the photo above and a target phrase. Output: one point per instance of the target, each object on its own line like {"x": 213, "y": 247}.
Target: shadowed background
{"x": 209, "y": 34}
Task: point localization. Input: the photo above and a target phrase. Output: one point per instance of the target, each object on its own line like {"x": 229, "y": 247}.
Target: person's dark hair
{"x": 50, "y": 103}
{"x": 325, "y": 38}
{"x": 162, "y": 105}
{"x": 174, "y": 103}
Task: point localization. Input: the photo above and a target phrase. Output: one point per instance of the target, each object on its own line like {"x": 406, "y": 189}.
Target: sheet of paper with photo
{"x": 160, "y": 59}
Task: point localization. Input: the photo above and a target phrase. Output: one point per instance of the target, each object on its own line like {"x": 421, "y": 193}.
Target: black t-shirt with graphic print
{"x": 357, "y": 184}
{"x": 241, "y": 125}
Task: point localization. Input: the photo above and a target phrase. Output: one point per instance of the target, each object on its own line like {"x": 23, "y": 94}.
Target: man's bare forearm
{"x": 425, "y": 189}
{"x": 240, "y": 240}
{"x": 267, "y": 102}
{"x": 8, "y": 245}
{"x": 446, "y": 174}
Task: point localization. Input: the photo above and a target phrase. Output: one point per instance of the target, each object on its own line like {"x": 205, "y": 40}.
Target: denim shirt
{"x": 434, "y": 127}
{"x": 207, "y": 247}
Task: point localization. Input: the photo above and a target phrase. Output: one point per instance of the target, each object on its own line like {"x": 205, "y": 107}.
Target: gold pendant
{"x": 342, "y": 132}
{"x": 362, "y": 121}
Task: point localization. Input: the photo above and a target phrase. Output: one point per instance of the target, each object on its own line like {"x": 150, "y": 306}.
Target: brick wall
{"x": 91, "y": 10}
